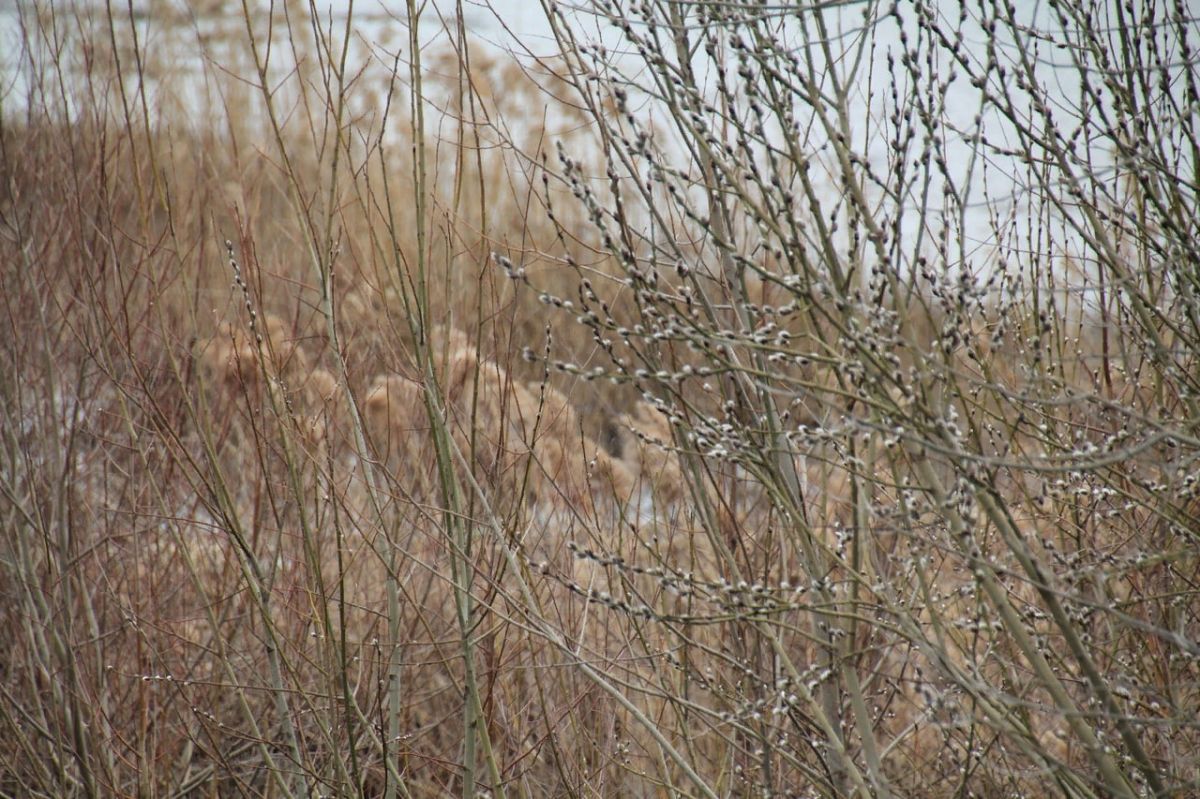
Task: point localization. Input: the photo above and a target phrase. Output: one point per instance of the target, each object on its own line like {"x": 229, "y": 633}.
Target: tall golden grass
{"x": 338, "y": 508}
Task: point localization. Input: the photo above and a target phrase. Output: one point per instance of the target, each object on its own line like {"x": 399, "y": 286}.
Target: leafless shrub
{"x": 823, "y": 424}
{"x": 942, "y": 440}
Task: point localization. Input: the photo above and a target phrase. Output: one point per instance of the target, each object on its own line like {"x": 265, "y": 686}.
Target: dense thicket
{"x": 801, "y": 401}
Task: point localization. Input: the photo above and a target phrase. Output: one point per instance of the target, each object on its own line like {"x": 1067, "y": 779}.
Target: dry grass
{"x": 339, "y": 508}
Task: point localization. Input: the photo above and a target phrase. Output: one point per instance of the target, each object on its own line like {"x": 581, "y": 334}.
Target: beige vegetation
{"x": 473, "y": 466}
{"x": 526, "y": 445}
